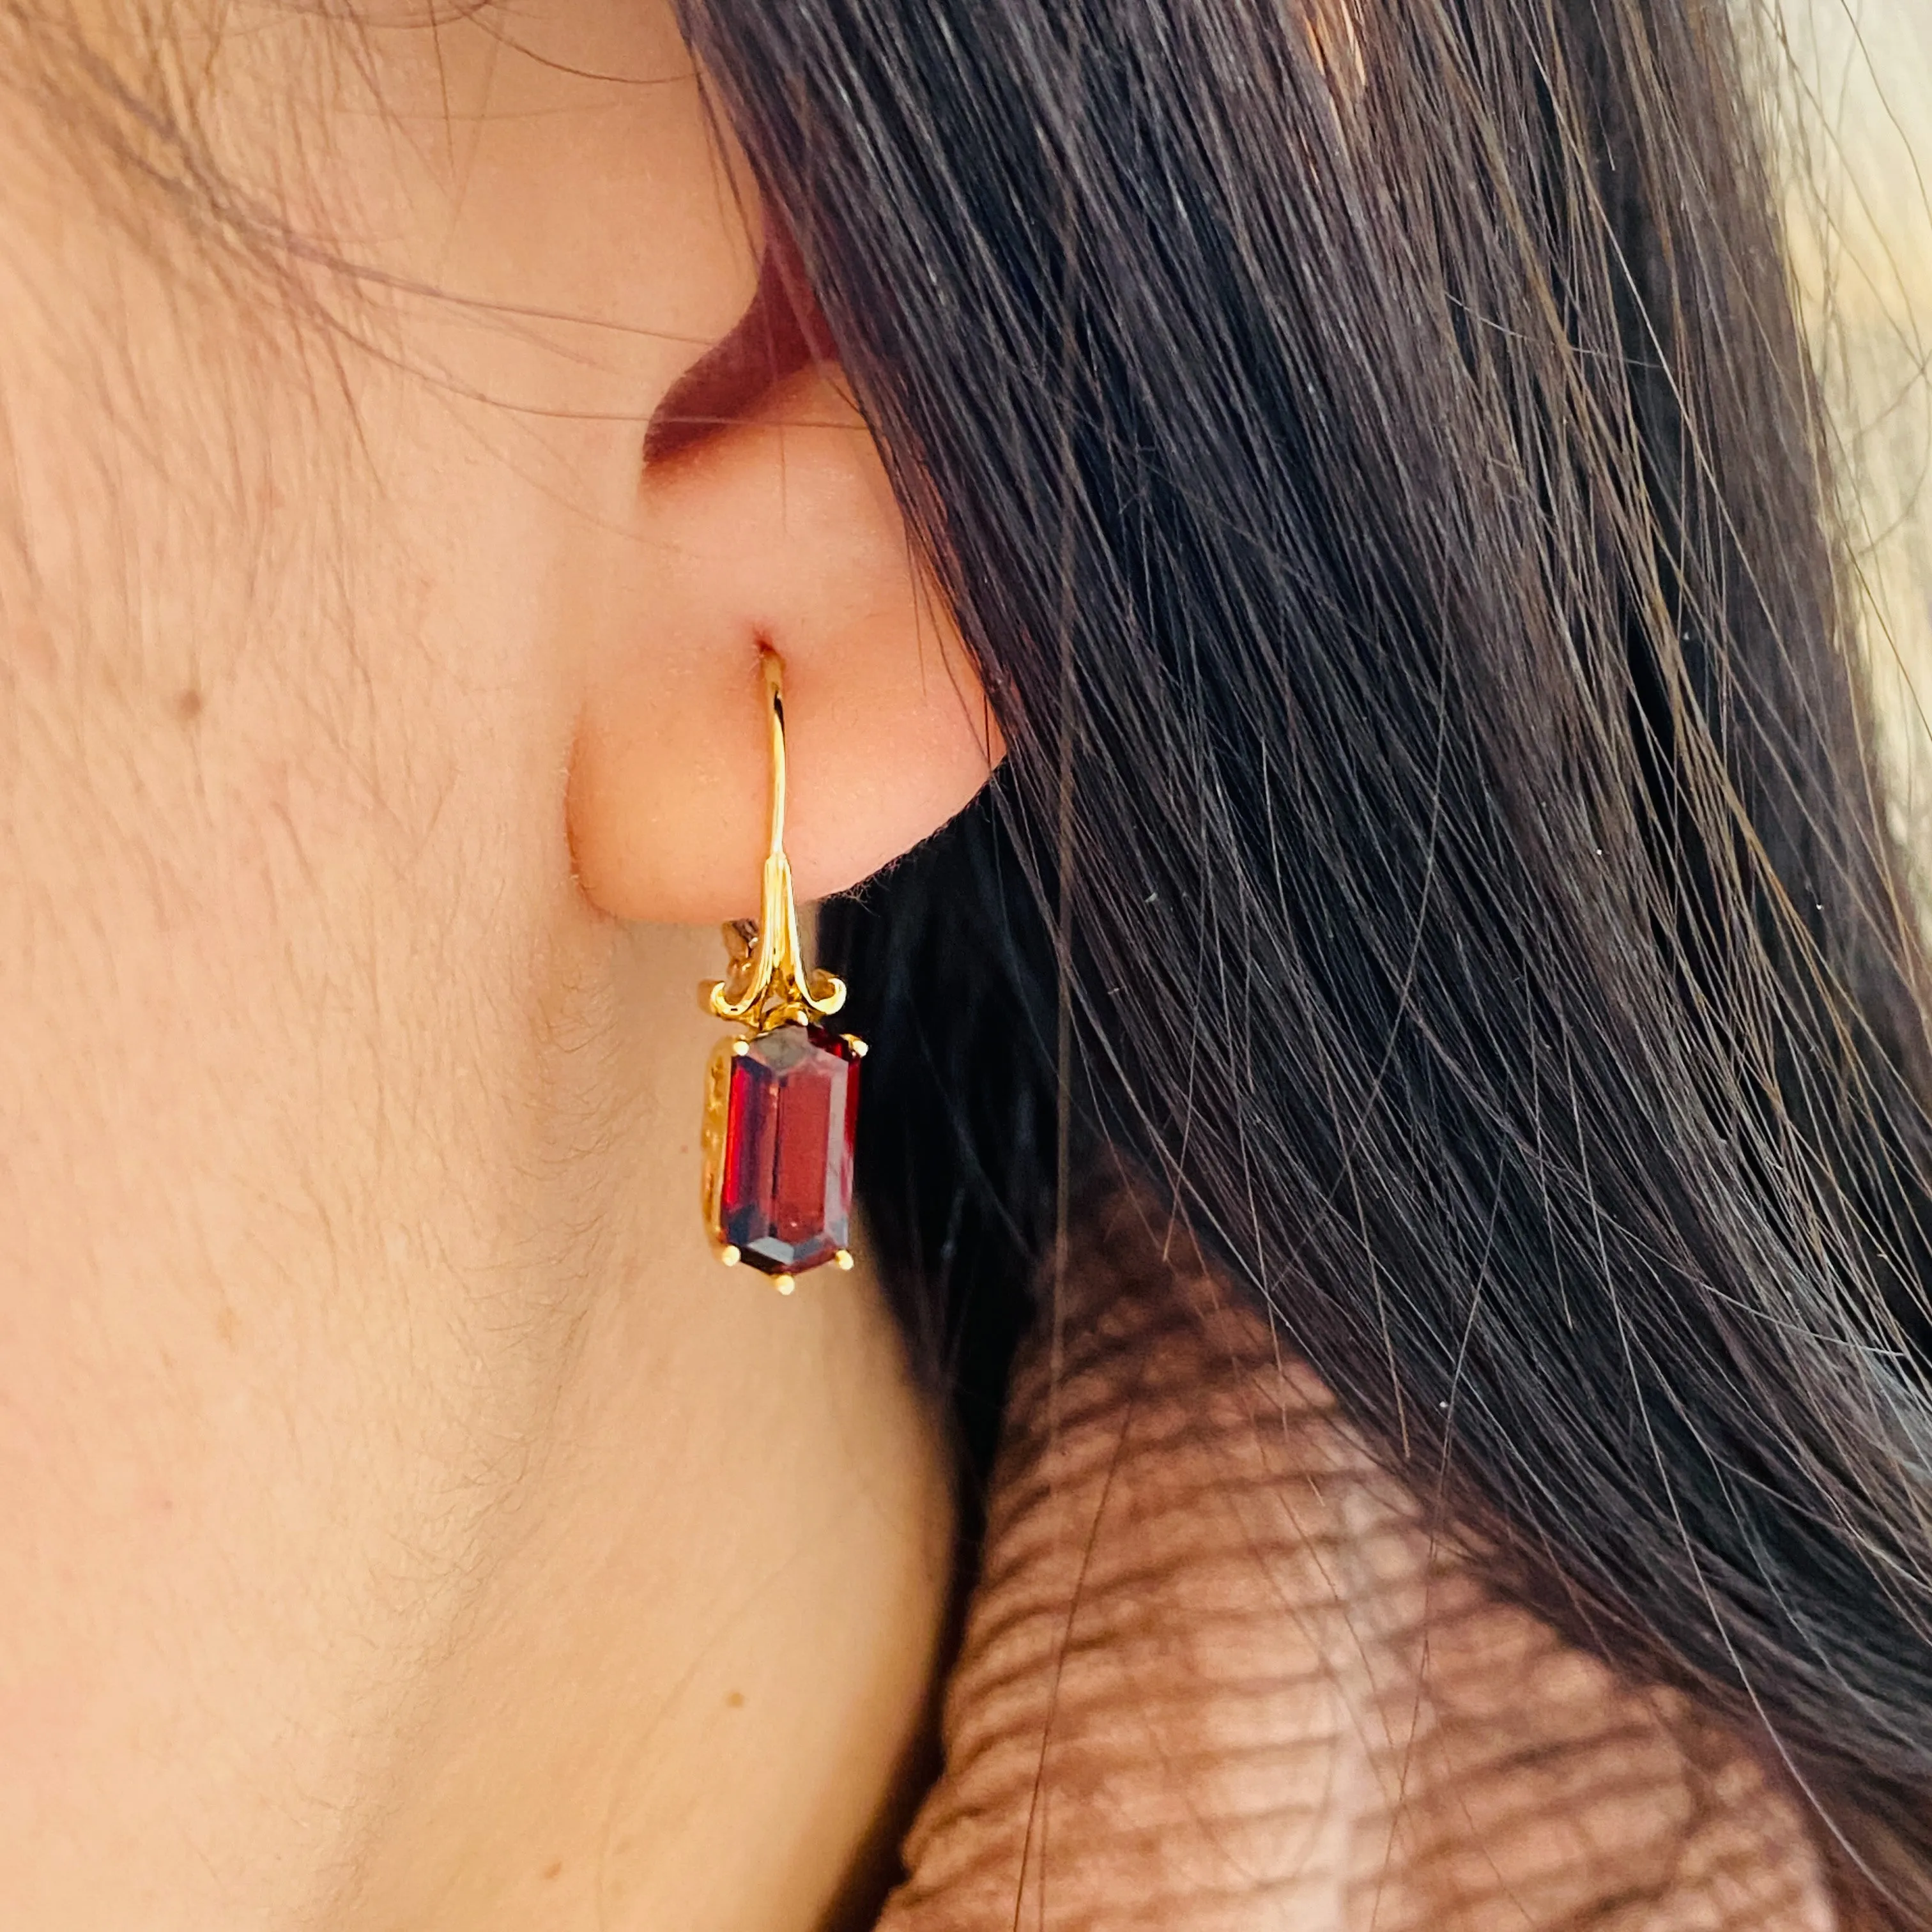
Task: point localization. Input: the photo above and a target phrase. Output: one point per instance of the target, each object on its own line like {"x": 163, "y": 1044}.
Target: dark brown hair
{"x": 1374, "y": 459}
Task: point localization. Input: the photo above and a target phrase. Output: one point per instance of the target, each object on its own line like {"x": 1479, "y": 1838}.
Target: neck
{"x": 688, "y": 1684}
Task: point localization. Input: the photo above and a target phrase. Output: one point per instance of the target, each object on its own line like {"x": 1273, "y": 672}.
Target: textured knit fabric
{"x": 1217, "y": 1677}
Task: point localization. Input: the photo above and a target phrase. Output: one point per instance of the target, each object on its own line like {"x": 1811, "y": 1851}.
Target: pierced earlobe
{"x": 762, "y": 515}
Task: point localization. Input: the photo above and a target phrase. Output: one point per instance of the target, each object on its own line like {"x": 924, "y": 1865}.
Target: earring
{"x": 781, "y": 1102}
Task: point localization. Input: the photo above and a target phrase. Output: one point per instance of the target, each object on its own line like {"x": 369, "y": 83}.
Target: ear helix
{"x": 781, "y": 331}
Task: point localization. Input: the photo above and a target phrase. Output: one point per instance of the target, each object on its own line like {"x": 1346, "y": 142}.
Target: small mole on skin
{"x": 553, "y": 1869}
{"x": 736, "y": 1701}
{"x": 187, "y": 706}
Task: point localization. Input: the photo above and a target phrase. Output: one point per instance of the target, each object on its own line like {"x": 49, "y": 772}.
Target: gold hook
{"x": 767, "y": 984}
{"x": 773, "y": 673}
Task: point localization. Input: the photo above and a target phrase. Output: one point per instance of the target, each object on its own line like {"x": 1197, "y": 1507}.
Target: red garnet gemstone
{"x": 785, "y": 1200}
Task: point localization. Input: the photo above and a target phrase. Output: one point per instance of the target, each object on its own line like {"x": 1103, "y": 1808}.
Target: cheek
{"x": 567, "y": 224}
{"x": 295, "y": 962}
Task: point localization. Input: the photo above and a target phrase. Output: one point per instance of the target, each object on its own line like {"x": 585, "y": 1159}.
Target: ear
{"x": 765, "y": 521}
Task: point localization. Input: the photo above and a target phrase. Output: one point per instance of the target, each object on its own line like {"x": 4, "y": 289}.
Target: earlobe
{"x": 765, "y": 521}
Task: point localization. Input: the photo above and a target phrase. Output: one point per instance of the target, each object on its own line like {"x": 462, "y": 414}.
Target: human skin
{"x": 408, "y": 1524}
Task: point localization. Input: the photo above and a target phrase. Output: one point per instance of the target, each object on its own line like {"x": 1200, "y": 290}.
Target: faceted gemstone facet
{"x": 790, "y": 1112}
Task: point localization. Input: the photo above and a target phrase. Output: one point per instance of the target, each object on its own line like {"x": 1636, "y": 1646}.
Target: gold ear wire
{"x": 767, "y": 983}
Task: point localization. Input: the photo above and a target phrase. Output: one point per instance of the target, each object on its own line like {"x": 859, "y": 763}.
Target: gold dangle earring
{"x": 781, "y": 1102}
